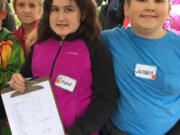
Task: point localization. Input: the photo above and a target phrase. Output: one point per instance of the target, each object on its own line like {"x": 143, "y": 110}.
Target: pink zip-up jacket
{"x": 82, "y": 79}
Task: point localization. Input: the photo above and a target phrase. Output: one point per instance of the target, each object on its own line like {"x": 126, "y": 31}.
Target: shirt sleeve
{"x": 14, "y": 64}
{"x": 104, "y": 92}
{"x": 26, "y": 69}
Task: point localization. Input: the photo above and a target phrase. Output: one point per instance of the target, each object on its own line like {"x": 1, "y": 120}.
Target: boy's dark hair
{"x": 89, "y": 28}
{"x": 129, "y": 1}
{"x": 2, "y": 5}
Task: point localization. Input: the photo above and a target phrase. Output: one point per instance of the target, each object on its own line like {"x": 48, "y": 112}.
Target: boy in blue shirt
{"x": 146, "y": 62}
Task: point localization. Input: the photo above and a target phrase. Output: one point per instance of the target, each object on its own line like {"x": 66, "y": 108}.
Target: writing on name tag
{"x": 66, "y": 83}
{"x": 145, "y": 71}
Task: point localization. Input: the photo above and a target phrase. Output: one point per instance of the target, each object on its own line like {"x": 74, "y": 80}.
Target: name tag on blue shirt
{"x": 145, "y": 71}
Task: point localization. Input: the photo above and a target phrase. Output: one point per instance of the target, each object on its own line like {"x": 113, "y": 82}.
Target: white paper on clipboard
{"x": 34, "y": 112}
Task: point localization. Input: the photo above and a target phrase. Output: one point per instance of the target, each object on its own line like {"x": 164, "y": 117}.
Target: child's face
{"x": 64, "y": 17}
{"x": 147, "y": 15}
{"x": 28, "y": 11}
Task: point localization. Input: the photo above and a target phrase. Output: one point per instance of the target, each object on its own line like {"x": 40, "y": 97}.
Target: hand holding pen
{"x": 17, "y": 82}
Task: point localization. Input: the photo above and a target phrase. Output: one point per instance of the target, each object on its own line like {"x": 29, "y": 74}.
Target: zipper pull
{"x": 61, "y": 42}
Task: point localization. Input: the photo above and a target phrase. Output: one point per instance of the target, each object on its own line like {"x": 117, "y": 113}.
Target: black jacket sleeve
{"x": 9, "y": 22}
{"x": 26, "y": 68}
{"x": 175, "y": 130}
{"x": 115, "y": 14}
{"x": 104, "y": 92}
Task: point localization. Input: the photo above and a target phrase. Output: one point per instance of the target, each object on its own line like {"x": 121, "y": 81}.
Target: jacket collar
{"x": 69, "y": 37}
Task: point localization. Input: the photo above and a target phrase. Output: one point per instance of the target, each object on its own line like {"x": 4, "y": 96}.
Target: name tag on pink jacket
{"x": 65, "y": 82}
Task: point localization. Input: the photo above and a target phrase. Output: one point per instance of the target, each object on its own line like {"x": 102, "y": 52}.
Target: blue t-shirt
{"x": 147, "y": 72}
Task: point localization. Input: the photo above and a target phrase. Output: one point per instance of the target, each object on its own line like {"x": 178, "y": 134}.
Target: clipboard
{"x": 35, "y": 111}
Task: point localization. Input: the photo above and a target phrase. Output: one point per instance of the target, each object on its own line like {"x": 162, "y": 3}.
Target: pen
{"x": 25, "y": 79}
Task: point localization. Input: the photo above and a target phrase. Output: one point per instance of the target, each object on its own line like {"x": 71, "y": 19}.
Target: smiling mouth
{"x": 148, "y": 16}
{"x": 62, "y": 25}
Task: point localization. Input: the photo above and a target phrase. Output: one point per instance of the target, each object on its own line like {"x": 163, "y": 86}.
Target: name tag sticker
{"x": 145, "y": 71}
{"x": 65, "y": 82}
